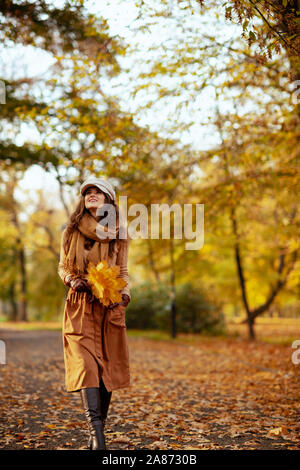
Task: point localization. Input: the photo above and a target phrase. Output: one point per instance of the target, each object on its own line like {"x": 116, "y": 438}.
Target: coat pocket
{"x": 72, "y": 318}
{"x": 117, "y": 316}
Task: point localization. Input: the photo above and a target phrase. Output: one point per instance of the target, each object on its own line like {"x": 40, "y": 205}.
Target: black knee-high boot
{"x": 91, "y": 402}
{"x": 105, "y": 397}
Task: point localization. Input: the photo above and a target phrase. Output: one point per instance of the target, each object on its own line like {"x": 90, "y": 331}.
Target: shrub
{"x": 195, "y": 313}
{"x": 148, "y": 303}
{"x": 150, "y": 308}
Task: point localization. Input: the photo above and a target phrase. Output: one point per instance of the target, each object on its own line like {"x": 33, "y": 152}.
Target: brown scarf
{"x": 90, "y": 228}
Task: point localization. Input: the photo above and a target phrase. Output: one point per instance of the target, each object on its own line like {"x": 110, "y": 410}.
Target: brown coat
{"x": 95, "y": 337}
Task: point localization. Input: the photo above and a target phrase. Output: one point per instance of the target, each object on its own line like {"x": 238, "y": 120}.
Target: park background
{"x": 175, "y": 102}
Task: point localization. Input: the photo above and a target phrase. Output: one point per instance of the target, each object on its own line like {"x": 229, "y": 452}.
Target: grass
{"x": 190, "y": 338}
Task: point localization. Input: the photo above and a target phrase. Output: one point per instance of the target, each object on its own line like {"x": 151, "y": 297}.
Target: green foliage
{"x": 149, "y": 304}
{"x": 196, "y": 313}
{"x": 150, "y": 309}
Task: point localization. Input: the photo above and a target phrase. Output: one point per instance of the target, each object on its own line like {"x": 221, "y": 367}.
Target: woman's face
{"x": 93, "y": 198}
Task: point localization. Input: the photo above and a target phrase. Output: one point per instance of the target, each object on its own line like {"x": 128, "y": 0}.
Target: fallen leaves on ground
{"x": 214, "y": 394}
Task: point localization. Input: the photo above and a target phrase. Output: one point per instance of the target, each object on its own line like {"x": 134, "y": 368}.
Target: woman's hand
{"x": 79, "y": 285}
{"x": 125, "y": 302}
{"x": 125, "y": 299}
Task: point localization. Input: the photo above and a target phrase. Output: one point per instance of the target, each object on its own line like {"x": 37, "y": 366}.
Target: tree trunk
{"x": 61, "y": 194}
{"x": 173, "y": 299}
{"x": 251, "y": 328}
{"x": 241, "y": 276}
{"x": 151, "y": 261}
{"x": 23, "y": 299}
{"x": 13, "y": 302}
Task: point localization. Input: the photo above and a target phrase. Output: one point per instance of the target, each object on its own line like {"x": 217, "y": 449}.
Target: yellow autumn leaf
{"x": 104, "y": 282}
{"x": 277, "y": 431}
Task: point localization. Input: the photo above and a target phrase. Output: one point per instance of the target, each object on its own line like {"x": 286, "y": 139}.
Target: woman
{"x": 94, "y": 336}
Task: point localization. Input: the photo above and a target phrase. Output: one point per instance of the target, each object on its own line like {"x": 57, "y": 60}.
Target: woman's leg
{"x": 91, "y": 402}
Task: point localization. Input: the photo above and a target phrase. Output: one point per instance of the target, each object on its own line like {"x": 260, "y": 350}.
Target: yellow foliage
{"x": 105, "y": 284}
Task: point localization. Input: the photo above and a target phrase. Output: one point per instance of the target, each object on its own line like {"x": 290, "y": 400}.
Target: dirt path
{"x": 215, "y": 395}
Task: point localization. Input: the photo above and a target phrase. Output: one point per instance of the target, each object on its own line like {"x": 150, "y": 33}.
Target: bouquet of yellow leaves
{"x": 104, "y": 282}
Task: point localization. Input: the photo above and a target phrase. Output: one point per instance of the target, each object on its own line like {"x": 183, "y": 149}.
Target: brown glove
{"x": 125, "y": 302}
{"x": 126, "y": 299}
{"x": 80, "y": 285}
{"x": 68, "y": 279}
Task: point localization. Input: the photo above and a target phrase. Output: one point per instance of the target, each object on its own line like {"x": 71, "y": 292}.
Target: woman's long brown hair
{"x": 78, "y": 213}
